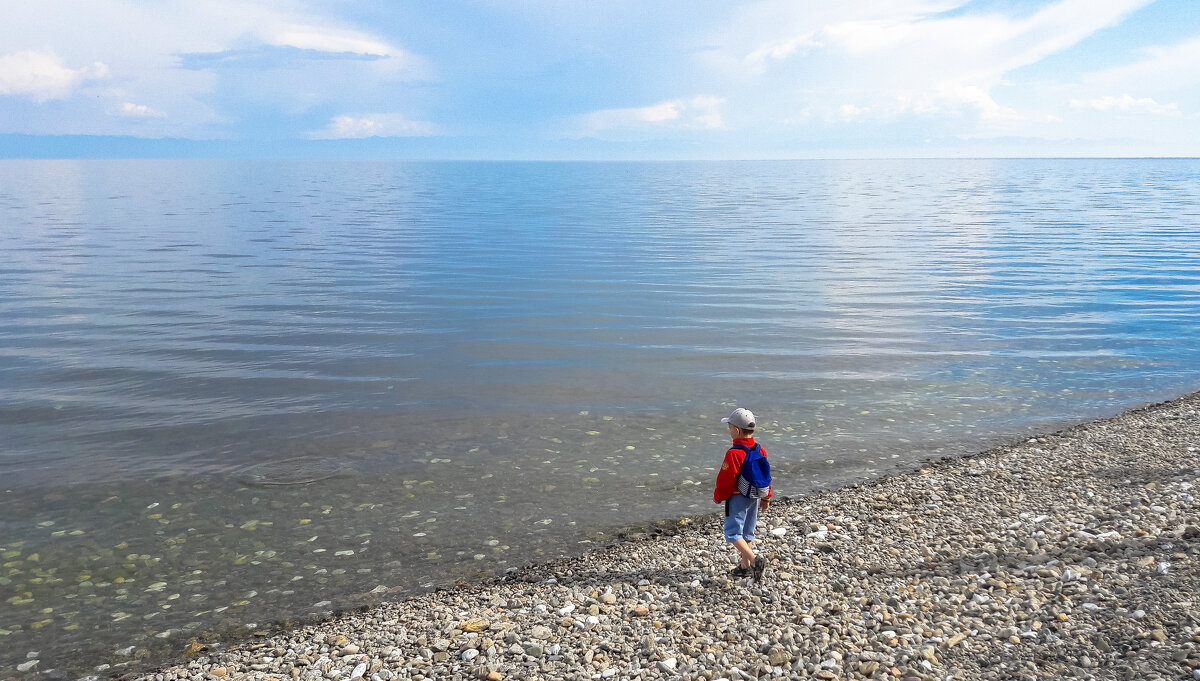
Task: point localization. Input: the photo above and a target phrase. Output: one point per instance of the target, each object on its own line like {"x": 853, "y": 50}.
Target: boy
{"x": 741, "y": 512}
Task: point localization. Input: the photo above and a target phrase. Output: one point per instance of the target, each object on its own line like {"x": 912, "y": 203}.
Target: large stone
{"x": 540, "y": 632}
{"x": 533, "y": 650}
{"x": 475, "y": 625}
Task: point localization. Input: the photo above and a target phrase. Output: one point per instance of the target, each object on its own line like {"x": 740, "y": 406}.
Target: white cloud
{"x": 43, "y": 76}
{"x": 1164, "y": 73}
{"x": 374, "y": 125}
{"x": 859, "y": 37}
{"x": 1167, "y": 64}
{"x": 850, "y": 111}
{"x": 285, "y": 57}
{"x": 328, "y": 40}
{"x": 910, "y": 58}
{"x": 1126, "y": 103}
{"x": 757, "y": 60}
{"x": 978, "y": 99}
{"x": 696, "y": 113}
{"x": 131, "y": 110}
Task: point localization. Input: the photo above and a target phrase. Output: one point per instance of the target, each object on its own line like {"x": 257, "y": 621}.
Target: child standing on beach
{"x": 741, "y": 510}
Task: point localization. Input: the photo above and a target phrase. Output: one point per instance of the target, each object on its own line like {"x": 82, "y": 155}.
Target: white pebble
{"x": 470, "y": 654}
{"x": 359, "y": 671}
{"x": 779, "y": 531}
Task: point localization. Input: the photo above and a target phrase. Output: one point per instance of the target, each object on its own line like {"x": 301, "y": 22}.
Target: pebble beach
{"x": 1069, "y": 555}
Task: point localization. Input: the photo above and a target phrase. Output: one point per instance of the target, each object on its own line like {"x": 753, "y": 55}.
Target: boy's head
{"x": 741, "y": 423}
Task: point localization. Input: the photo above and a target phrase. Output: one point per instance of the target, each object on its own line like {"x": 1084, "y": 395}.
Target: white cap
{"x": 742, "y": 418}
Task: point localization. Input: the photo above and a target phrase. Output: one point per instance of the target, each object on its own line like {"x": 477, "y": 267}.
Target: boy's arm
{"x": 765, "y": 502}
{"x": 726, "y": 477}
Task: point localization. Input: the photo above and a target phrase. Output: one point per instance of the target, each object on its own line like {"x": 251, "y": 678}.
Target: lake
{"x": 234, "y": 393}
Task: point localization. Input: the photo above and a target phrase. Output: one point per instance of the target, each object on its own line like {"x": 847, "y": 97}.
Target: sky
{"x": 607, "y": 80}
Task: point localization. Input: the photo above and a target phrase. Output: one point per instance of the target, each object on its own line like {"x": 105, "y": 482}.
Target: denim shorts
{"x": 741, "y": 515}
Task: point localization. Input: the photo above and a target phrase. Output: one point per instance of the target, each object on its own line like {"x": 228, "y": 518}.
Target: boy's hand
{"x": 764, "y": 504}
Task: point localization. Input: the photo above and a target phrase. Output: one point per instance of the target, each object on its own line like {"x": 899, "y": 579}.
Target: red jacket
{"x": 727, "y": 476}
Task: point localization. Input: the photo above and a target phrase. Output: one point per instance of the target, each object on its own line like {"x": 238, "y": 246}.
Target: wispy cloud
{"x": 294, "y": 44}
{"x": 330, "y": 40}
{"x": 131, "y": 110}
{"x": 760, "y": 58}
{"x": 696, "y": 113}
{"x": 374, "y": 125}
{"x": 918, "y": 60}
{"x": 1127, "y": 104}
{"x": 1161, "y": 71}
{"x": 43, "y": 76}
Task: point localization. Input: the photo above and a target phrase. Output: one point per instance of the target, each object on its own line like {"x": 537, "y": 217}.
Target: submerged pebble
{"x": 877, "y": 581}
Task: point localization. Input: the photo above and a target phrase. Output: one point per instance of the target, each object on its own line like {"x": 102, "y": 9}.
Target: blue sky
{"x": 565, "y": 79}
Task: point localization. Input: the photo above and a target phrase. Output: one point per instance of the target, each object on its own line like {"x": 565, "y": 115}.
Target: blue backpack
{"x": 755, "y": 477}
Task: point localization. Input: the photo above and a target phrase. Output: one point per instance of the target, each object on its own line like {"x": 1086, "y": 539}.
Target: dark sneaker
{"x": 739, "y": 572}
{"x": 760, "y": 567}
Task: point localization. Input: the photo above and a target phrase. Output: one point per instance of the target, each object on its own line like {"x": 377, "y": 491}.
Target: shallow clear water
{"x": 238, "y": 392}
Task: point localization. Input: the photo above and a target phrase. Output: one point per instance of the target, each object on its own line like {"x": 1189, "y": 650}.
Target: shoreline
{"x": 1021, "y": 561}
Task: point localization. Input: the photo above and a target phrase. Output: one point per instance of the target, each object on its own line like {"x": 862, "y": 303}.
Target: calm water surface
{"x": 239, "y": 392}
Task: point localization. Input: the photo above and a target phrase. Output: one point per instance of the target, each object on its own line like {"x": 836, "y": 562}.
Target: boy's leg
{"x": 745, "y": 543}
{"x": 745, "y": 552}
{"x": 751, "y": 522}
{"x": 759, "y": 563}
{"x": 735, "y": 523}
